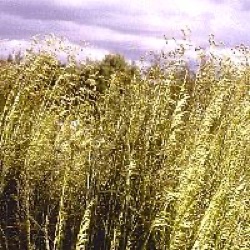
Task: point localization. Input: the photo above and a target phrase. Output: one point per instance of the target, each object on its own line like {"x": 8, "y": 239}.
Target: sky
{"x": 131, "y": 28}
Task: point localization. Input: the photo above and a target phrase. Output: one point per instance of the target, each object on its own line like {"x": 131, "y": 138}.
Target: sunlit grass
{"x": 160, "y": 164}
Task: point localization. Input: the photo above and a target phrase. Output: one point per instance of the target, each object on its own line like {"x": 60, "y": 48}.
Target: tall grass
{"x": 162, "y": 165}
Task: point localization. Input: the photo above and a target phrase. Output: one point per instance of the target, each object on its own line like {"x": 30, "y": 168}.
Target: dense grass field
{"x": 159, "y": 161}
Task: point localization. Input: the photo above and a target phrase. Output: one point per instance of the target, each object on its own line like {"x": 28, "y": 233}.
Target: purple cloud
{"x": 119, "y": 26}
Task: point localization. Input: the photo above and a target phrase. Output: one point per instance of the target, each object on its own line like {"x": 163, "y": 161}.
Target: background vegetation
{"x": 104, "y": 156}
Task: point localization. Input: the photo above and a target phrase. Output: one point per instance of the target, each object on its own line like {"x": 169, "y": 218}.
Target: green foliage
{"x": 97, "y": 75}
{"x": 99, "y": 157}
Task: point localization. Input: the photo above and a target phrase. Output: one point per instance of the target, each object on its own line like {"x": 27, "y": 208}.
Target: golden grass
{"x": 154, "y": 166}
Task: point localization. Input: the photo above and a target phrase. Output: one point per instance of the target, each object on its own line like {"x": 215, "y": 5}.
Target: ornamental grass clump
{"x": 158, "y": 160}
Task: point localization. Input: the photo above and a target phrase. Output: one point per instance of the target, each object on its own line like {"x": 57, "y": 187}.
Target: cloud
{"x": 245, "y": 5}
{"x": 129, "y": 27}
{"x": 61, "y": 49}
